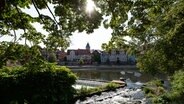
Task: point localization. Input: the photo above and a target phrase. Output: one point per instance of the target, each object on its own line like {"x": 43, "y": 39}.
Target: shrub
{"x": 52, "y": 58}
{"x": 176, "y": 95}
{"x": 148, "y": 90}
{"x": 111, "y": 86}
{"x": 83, "y": 91}
{"x": 81, "y": 62}
{"x": 156, "y": 83}
{"x": 49, "y": 84}
{"x": 86, "y": 91}
{"x": 154, "y": 89}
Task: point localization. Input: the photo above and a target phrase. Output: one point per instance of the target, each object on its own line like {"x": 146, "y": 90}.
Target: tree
{"x": 156, "y": 32}
{"x": 96, "y": 57}
{"x": 21, "y": 53}
{"x": 116, "y": 43}
{"x": 72, "y": 17}
{"x": 52, "y": 57}
{"x": 155, "y": 29}
{"x": 167, "y": 49}
{"x": 81, "y": 61}
{"x": 71, "y": 14}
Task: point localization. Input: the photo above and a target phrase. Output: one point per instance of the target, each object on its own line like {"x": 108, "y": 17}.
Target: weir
{"x": 92, "y": 83}
{"x": 131, "y": 94}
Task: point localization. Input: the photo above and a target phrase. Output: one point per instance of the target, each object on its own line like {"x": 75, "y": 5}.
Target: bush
{"x": 86, "y": 91}
{"x": 156, "y": 83}
{"x": 49, "y": 84}
{"x": 154, "y": 89}
{"x": 81, "y": 62}
{"x": 148, "y": 90}
{"x": 111, "y": 86}
{"x": 176, "y": 95}
{"x": 52, "y": 58}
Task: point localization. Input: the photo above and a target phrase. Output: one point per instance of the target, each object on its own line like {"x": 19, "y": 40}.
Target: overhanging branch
{"x": 21, "y": 22}
{"x": 39, "y": 14}
{"x": 50, "y": 12}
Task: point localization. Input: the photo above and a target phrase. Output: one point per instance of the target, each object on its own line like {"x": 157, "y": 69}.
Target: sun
{"x": 90, "y": 6}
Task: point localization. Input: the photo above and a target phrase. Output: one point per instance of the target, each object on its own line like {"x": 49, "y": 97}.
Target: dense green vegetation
{"x": 175, "y": 96}
{"x": 43, "y": 84}
{"x": 81, "y": 61}
{"x": 154, "y": 88}
{"x": 22, "y": 54}
{"x": 52, "y": 57}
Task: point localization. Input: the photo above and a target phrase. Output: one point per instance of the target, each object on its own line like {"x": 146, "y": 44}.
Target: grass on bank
{"x": 87, "y": 91}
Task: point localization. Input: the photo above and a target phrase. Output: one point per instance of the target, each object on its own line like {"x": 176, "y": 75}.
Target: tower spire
{"x": 87, "y": 46}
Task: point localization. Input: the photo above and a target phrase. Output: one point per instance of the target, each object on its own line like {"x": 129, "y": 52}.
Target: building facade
{"x": 114, "y": 57}
{"x": 88, "y": 57}
{"x": 74, "y": 56}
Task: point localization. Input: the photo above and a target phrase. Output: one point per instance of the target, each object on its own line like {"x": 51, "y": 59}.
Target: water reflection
{"x": 98, "y": 74}
{"x": 114, "y": 74}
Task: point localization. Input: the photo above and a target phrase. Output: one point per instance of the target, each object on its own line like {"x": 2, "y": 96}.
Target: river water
{"x": 131, "y": 94}
{"x": 114, "y": 74}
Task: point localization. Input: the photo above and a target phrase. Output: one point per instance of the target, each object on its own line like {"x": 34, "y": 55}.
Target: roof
{"x": 80, "y": 52}
{"x": 87, "y": 45}
{"x": 96, "y": 51}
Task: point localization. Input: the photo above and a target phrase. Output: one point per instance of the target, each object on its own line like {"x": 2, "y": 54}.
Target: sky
{"x": 78, "y": 40}
{"x": 99, "y": 36}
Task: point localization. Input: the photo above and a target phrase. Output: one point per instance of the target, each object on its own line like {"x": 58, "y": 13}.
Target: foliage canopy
{"x": 155, "y": 27}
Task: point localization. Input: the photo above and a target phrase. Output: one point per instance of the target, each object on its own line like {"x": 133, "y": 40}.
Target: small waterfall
{"x": 92, "y": 83}
{"x": 131, "y": 94}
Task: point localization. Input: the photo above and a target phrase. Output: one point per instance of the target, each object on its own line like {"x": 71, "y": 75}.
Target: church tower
{"x": 87, "y": 46}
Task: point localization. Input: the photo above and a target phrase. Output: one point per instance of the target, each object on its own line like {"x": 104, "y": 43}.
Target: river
{"x": 110, "y": 73}
{"x": 131, "y": 94}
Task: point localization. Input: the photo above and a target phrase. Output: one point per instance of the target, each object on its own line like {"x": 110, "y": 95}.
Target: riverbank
{"x": 103, "y": 67}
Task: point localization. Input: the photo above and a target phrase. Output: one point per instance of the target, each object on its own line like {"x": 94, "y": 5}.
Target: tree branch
{"x": 51, "y": 12}
{"x": 34, "y": 4}
{"x": 15, "y": 35}
{"x": 21, "y": 22}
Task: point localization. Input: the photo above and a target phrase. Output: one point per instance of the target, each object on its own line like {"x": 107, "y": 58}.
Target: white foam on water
{"x": 80, "y": 86}
{"x": 131, "y": 94}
